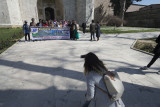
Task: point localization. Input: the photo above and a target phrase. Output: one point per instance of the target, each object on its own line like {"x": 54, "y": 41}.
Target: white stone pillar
{"x": 89, "y": 11}
{"x": 4, "y": 14}
{"x": 14, "y": 13}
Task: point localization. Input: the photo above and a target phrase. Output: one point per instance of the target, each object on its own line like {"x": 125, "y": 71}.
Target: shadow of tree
{"x": 134, "y": 96}
{"x": 43, "y": 69}
{"x": 50, "y": 97}
{"x": 140, "y": 96}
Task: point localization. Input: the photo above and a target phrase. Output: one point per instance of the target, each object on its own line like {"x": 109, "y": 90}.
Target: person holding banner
{"x": 77, "y": 35}
{"x": 45, "y": 24}
{"x": 40, "y": 24}
{"x": 75, "y": 31}
{"x": 33, "y": 22}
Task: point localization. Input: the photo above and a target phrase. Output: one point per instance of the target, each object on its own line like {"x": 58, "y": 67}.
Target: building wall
{"x": 103, "y": 10}
{"x": 29, "y": 10}
{"x": 14, "y": 12}
{"x": 134, "y": 7}
{"x": 70, "y": 9}
{"x": 80, "y": 11}
{"x": 85, "y": 11}
{"x": 57, "y": 5}
{"x": 4, "y": 13}
{"x": 89, "y": 10}
{"x": 64, "y": 9}
{"x": 147, "y": 17}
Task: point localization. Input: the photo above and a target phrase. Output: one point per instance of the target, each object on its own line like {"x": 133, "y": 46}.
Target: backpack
{"x": 115, "y": 87}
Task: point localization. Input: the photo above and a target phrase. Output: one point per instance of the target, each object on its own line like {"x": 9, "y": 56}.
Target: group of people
{"x": 51, "y": 23}
{"x": 74, "y": 30}
{"x": 74, "y": 27}
{"x": 94, "y": 28}
{"x": 48, "y": 23}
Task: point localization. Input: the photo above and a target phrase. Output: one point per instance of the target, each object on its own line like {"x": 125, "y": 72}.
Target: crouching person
{"x": 94, "y": 70}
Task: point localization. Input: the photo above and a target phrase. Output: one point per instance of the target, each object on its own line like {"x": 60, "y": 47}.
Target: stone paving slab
{"x": 50, "y": 73}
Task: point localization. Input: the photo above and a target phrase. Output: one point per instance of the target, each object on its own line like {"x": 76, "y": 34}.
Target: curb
{"x": 132, "y": 47}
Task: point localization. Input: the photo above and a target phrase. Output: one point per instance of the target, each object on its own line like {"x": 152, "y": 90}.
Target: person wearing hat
{"x": 26, "y": 30}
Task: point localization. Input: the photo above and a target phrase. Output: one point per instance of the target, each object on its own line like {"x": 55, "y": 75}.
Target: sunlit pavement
{"x": 50, "y": 73}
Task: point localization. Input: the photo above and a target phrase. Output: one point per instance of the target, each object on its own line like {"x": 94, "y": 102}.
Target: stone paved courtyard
{"x": 50, "y": 73}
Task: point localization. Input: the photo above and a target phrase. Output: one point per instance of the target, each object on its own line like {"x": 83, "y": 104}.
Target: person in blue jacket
{"x": 26, "y": 30}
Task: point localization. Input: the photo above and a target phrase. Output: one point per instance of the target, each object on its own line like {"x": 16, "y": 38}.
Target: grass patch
{"x": 127, "y": 31}
{"x": 146, "y": 45}
{"x": 118, "y": 30}
{"x": 8, "y": 36}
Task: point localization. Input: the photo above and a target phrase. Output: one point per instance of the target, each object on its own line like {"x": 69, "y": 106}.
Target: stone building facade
{"x": 147, "y": 16}
{"x": 103, "y": 11}
{"x": 14, "y": 12}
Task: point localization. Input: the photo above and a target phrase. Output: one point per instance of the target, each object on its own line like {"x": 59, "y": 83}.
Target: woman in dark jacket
{"x": 156, "y": 55}
{"x": 84, "y": 27}
{"x": 98, "y": 32}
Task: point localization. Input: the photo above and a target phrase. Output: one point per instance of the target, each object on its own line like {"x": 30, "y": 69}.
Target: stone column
{"x": 14, "y": 12}
{"x": 84, "y": 11}
{"x": 4, "y": 16}
{"x": 81, "y": 11}
{"x": 89, "y": 11}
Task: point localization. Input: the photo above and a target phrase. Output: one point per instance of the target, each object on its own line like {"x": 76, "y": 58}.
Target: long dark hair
{"x": 93, "y": 63}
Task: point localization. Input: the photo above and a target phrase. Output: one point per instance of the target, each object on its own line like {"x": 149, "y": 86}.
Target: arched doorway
{"x": 49, "y": 13}
{"x": 50, "y": 9}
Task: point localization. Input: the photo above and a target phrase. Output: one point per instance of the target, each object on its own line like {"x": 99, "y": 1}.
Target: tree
{"x": 116, "y": 4}
{"x": 120, "y": 6}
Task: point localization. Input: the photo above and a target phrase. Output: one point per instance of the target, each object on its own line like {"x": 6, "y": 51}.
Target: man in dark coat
{"x": 98, "y": 31}
{"x": 84, "y": 27}
{"x": 72, "y": 31}
{"x": 92, "y": 29}
{"x": 156, "y": 55}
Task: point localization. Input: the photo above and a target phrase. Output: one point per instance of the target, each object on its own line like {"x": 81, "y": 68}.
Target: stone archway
{"x": 49, "y": 13}
{"x": 50, "y": 8}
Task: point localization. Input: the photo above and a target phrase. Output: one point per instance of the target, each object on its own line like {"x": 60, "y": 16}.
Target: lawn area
{"x": 115, "y": 30}
{"x": 8, "y": 36}
{"x": 146, "y": 45}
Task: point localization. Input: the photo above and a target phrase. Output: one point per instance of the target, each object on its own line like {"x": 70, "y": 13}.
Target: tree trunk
{"x": 123, "y": 8}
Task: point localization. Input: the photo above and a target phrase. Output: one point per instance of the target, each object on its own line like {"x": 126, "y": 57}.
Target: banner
{"x": 50, "y": 33}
